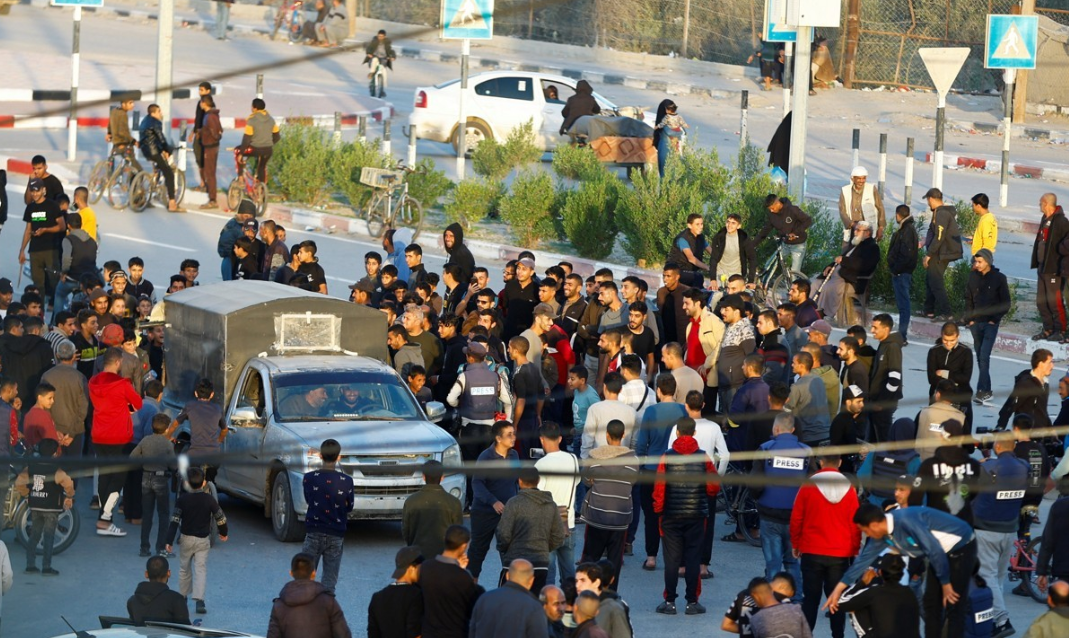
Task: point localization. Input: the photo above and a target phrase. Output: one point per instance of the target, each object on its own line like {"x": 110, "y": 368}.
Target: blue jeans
{"x": 330, "y": 548}
{"x": 795, "y": 255}
{"x": 902, "y": 285}
{"x": 776, "y": 546}
{"x": 155, "y": 502}
{"x": 222, "y": 18}
{"x": 565, "y": 557}
{"x": 227, "y": 269}
{"x": 983, "y": 337}
{"x": 64, "y": 290}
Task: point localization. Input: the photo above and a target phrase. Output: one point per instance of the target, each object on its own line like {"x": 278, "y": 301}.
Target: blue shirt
{"x": 581, "y": 402}
{"x": 487, "y": 490}
{"x": 655, "y": 427}
{"x": 143, "y": 419}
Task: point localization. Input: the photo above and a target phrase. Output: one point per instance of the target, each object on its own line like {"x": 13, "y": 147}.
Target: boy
{"x": 330, "y": 498}
{"x": 193, "y": 514}
{"x": 246, "y": 264}
{"x": 38, "y": 425}
{"x": 50, "y": 492}
{"x": 583, "y": 396}
{"x": 207, "y": 429}
{"x": 417, "y": 382}
{"x": 9, "y": 410}
{"x": 190, "y": 269}
{"x": 136, "y": 284}
{"x": 155, "y": 482}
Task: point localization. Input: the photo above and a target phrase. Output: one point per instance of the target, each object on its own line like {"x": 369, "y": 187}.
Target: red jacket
{"x": 113, "y": 399}
{"x": 686, "y": 497}
{"x": 822, "y": 521}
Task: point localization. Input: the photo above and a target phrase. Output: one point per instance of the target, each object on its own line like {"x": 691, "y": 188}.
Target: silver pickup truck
{"x": 292, "y": 369}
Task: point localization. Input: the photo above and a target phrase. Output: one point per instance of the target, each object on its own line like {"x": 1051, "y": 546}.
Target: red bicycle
{"x": 245, "y": 185}
{"x": 1023, "y": 564}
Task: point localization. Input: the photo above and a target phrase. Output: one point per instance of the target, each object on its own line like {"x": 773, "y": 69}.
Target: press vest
{"x": 1001, "y": 496}
{"x": 786, "y": 462}
{"x": 479, "y": 400}
{"x": 45, "y": 494}
{"x": 697, "y": 247}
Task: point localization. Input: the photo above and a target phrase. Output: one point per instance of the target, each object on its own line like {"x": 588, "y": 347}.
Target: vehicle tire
{"x": 141, "y": 188}
{"x": 260, "y": 199}
{"x": 66, "y": 529}
{"x": 117, "y": 190}
{"x": 410, "y": 215}
{"x": 376, "y": 222}
{"x": 1028, "y": 577}
{"x": 477, "y": 132}
{"x": 98, "y": 181}
{"x": 283, "y": 517}
{"x": 234, "y": 193}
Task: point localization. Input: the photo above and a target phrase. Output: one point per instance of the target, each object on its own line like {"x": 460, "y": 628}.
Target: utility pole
{"x": 800, "y": 101}
{"x": 686, "y": 29}
{"x": 165, "y": 63}
{"x": 1020, "y": 93}
{"x": 853, "y": 34}
{"x": 72, "y": 123}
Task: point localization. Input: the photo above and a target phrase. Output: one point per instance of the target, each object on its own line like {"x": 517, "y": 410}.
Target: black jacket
{"x": 944, "y": 235}
{"x": 1029, "y": 396}
{"x": 987, "y": 297}
{"x": 747, "y": 253}
{"x": 902, "y": 253}
{"x": 959, "y": 364}
{"x": 858, "y": 265}
{"x": 156, "y": 601}
{"x": 949, "y": 481}
{"x": 3, "y": 197}
{"x": 1055, "y": 543}
{"x": 1056, "y": 228}
{"x": 460, "y": 255}
{"x": 885, "y": 379}
{"x": 578, "y": 105}
{"x": 373, "y": 44}
{"x": 789, "y": 220}
{"x": 25, "y": 360}
{"x": 153, "y": 143}
{"x": 889, "y": 610}
{"x": 509, "y": 610}
{"x": 306, "y": 608}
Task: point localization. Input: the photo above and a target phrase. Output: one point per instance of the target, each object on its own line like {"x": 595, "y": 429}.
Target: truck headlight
{"x": 312, "y": 459}
{"x": 451, "y": 456}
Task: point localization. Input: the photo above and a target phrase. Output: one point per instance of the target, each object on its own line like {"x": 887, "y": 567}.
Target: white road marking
{"x": 151, "y": 243}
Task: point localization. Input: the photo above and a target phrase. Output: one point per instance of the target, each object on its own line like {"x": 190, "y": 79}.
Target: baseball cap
{"x": 5, "y": 286}
{"x": 252, "y": 223}
{"x": 364, "y": 285}
{"x": 544, "y": 310}
{"x": 475, "y": 348}
{"x": 854, "y": 392}
{"x": 934, "y": 192}
{"x": 36, "y": 184}
{"x": 406, "y": 557}
{"x": 112, "y": 335}
{"x": 821, "y": 326}
{"x": 527, "y": 262}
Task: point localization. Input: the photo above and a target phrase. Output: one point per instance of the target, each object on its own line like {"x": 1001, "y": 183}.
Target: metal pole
{"x": 260, "y": 85}
{"x": 788, "y": 76}
{"x": 686, "y": 28}
{"x": 337, "y": 128}
{"x": 413, "y": 137}
{"x": 796, "y": 174}
{"x": 72, "y": 123}
{"x": 744, "y": 125}
{"x": 386, "y": 150}
{"x": 1008, "y": 76}
{"x": 909, "y": 172}
{"x": 462, "y": 127}
{"x": 180, "y": 161}
{"x": 883, "y": 162}
{"x": 361, "y": 128}
{"x": 165, "y": 63}
{"x": 856, "y": 148}
{"x": 135, "y": 120}
{"x": 940, "y": 129}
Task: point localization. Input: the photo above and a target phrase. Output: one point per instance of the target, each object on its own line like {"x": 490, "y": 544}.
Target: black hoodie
{"x": 459, "y": 253}
{"x": 25, "y": 359}
{"x": 308, "y": 609}
{"x": 949, "y": 480}
{"x": 578, "y": 105}
{"x": 156, "y": 601}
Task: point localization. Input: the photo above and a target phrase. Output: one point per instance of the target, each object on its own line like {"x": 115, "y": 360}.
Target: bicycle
{"x": 17, "y": 515}
{"x": 377, "y": 76}
{"x": 292, "y": 16}
{"x": 1023, "y": 562}
{"x": 390, "y": 205}
{"x": 146, "y": 187}
{"x": 245, "y": 185}
{"x": 741, "y": 508}
{"x": 774, "y": 279}
{"x": 112, "y": 177}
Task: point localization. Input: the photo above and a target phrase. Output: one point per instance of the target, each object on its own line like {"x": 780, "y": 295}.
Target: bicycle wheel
{"x": 118, "y": 189}
{"x": 234, "y": 193}
{"x": 409, "y": 214}
{"x": 98, "y": 181}
{"x": 260, "y": 199}
{"x": 781, "y": 286}
{"x": 376, "y": 221}
{"x": 66, "y": 529}
{"x": 748, "y": 520}
{"x": 179, "y": 186}
{"x": 1026, "y": 569}
{"x": 140, "y": 192}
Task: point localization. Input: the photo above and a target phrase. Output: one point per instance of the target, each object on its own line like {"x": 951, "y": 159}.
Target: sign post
{"x": 1012, "y": 43}
{"x": 466, "y": 20}
{"x": 76, "y": 46}
{"x": 777, "y": 30}
{"x": 943, "y": 64}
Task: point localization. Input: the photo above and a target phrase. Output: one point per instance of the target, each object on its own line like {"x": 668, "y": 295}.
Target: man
{"x": 1031, "y": 392}
{"x": 613, "y": 616}
{"x": 688, "y": 250}
{"x": 601, "y": 414}
{"x": 378, "y": 47}
{"x": 154, "y": 600}
{"x": 453, "y": 242}
{"x": 330, "y": 498}
{"x": 571, "y": 311}
{"x": 670, "y": 301}
{"x": 952, "y": 360}
{"x": 65, "y": 325}
{"x": 793, "y": 335}
{"x": 790, "y": 224}
{"x": 860, "y": 201}
{"x": 71, "y": 406}
{"x": 687, "y": 378}
{"x": 584, "y": 614}
{"x": 809, "y": 402}
{"x": 643, "y": 338}
{"x": 404, "y": 353}
{"x": 987, "y": 300}
{"x": 449, "y": 591}
{"x": 853, "y": 371}
{"x": 827, "y": 372}
{"x": 805, "y": 309}
{"x": 851, "y": 279}
{"x": 25, "y": 356}
{"x": 520, "y": 299}
{"x": 885, "y": 378}
{"x": 204, "y": 89}
{"x": 1055, "y": 622}
{"x": 996, "y": 512}
{"x": 335, "y": 27}
{"x": 775, "y": 619}
{"x": 529, "y": 387}
{"x": 732, "y": 253}
{"x": 559, "y": 476}
{"x": 52, "y": 186}
{"x": 275, "y": 253}
{"x": 608, "y": 507}
{"x": 776, "y": 357}
{"x": 45, "y": 228}
{"x": 784, "y": 458}
{"x": 920, "y": 532}
{"x": 234, "y": 228}
{"x": 885, "y": 610}
{"x": 849, "y": 425}
{"x": 930, "y": 419}
{"x": 540, "y": 325}
{"x": 396, "y": 611}
{"x": 553, "y": 604}
{"x": 113, "y": 399}
{"x": 118, "y": 134}
{"x": 823, "y": 536}
{"x": 739, "y": 341}
{"x": 209, "y": 137}
{"x": 635, "y": 393}
{"x": 949, "y": 479}
{"x": 157, "y": 150}
{"x": 1047, "y": 260}
{"x": 261, "y": 135}
{"x": 986, "y": 234}
{"x": 902, "y": 261}
{"x": 79, "y": 258}
{"x": 547, "y": 294}
{"x": 305, "y": 608}
{"x": 530, "y": 528}
{"x": 944, "y": 246}
{"x": 703, "y": 336}
{"x": 749, "y": 404}
{"x": 683, "y": 507}
{"x": 511, "y": 609}
{"x": 491, "y": 494}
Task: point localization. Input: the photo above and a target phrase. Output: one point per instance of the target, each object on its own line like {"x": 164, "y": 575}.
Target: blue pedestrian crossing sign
{"x": 1012, "y": 42}
{"x": 776, "y": 28}
{"x": 467, "y": 19}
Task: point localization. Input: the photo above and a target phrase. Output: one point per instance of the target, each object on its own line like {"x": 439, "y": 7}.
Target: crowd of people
{"x": 585, "y": 408}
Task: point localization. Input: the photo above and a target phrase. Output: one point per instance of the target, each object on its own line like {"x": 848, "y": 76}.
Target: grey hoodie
{"x": 808, "y": 403}
{"x": 608, "y": 503}
{"x": 530, "y": 528}
{"x": 409, "y": 355}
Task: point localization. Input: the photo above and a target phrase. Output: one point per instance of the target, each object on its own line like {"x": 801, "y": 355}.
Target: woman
{"x": 667, "y": 132}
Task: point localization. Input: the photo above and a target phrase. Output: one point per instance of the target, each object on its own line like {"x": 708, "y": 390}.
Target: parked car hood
{"x": 373, "y": 437}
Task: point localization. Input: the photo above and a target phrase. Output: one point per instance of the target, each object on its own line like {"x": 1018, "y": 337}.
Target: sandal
{"x": 732, "y": 538}
{"x": 110, "y": 530}
{"x": 707, "y": 575}
{"x": 650, "y": 564}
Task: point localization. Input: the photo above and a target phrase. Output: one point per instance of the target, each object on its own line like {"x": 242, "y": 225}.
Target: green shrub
{"x": 428, "y": 185}
{"x": 297, "y": 165}
{"x": 345, "y": 165}
{"x": 528, "y": 208}
{"x": 586, "y": 215}
{"x": 703, "y": 168}
{"x": 473, "y": 199}
{"x": 496, "y": 160}
{"x": 825, "y": 235}
{"x": 577, "y": 163}
{"x": 655, "y": 210}
{"x": 967, "y": 219}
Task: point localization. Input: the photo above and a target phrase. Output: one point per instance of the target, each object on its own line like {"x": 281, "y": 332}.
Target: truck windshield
{"x": 343, "y": 396}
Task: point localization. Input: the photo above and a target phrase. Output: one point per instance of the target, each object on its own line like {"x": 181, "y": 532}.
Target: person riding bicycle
{"x": 156, "y": 149}
{"x": 790, "y": 224}
{"x": 379, "y": 47}
{"x": 261, "y": 135}
{"x": 122, "y": 141}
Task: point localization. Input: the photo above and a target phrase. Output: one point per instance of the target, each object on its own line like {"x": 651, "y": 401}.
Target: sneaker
{"x": 1003, "y": 630}
{"x": 164, "y": 553}
{"x": 695, "y": 608}
{"x": 201, "y": 609}
{"x": 110, "y": 530}
{"x": 667, "y": 608}
{"x": 32, "y": 569}
{"x": 983, "y": 397}
{"x": 144, "y": 553}
{"x": 48, "y": 571}
{"x": 1041, "y": 335}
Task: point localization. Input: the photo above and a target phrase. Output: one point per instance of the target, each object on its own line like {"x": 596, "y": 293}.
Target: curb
{"x": 1020, "y": 130}
{"x": 18, "y": 166}
{"x": 348, "y": 120}
{"x": 995, "y": 166}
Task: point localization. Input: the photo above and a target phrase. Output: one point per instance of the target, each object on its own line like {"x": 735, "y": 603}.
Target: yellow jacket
{"x": 986, "y": 235}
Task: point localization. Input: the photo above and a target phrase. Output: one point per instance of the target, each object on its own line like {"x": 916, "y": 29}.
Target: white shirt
{"x": 638, "y": 395}
{"x": 710, "y": 439}
{"x": 561, "y": 487}
{"x": 597, "y": 419}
